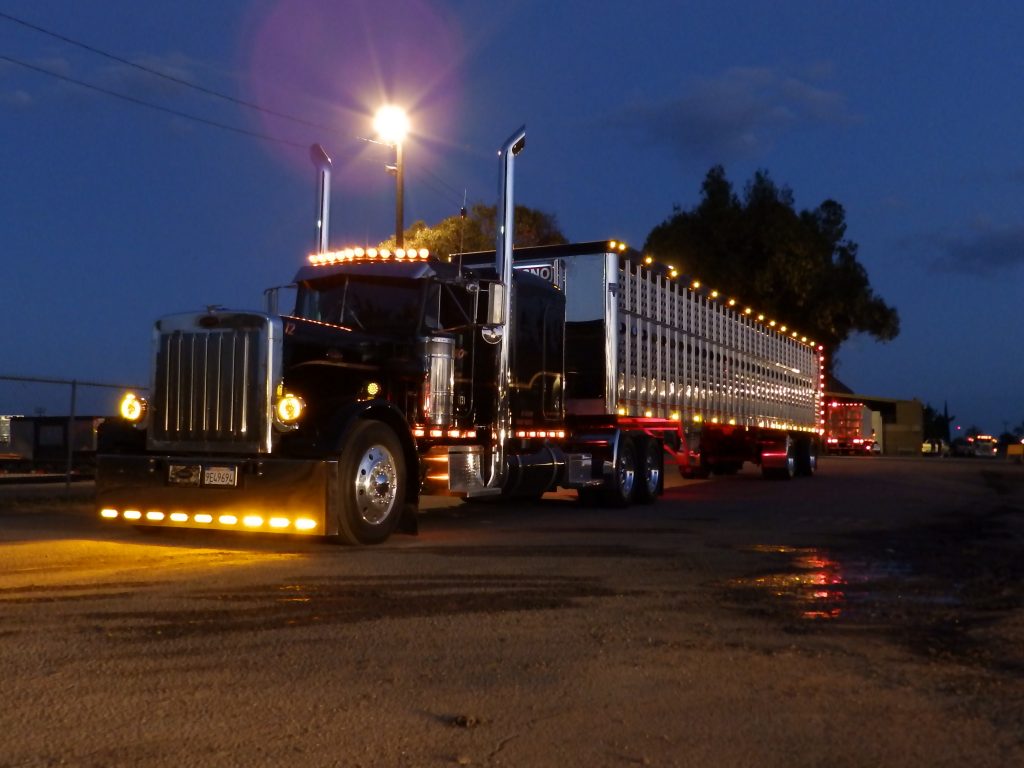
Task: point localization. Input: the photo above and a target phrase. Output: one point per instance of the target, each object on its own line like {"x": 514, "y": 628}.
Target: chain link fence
{"x": 49, "y": 425}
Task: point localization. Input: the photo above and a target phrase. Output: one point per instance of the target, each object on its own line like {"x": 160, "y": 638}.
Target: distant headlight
{"x": 132, "y": 407}
{"x": 289, "y": 408}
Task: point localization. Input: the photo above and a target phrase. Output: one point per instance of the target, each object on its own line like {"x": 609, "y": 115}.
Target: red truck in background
{"x": 848, "y": 429}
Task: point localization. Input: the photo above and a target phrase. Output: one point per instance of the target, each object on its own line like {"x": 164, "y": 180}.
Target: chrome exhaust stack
{"x": 502, "y": 428}
{"x": 322, "y": 162}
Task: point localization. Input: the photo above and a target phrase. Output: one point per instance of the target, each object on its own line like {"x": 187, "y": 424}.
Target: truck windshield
{"x": 373, "y": 306}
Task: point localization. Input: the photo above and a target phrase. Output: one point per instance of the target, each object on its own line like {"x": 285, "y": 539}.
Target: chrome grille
{"x": 210, "y": 389}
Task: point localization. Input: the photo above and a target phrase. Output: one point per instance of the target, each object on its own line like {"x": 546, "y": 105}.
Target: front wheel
{"x": 371, "y": 484}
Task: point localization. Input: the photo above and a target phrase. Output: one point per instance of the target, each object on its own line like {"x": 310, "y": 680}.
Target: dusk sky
{"x": 909, "y": 114}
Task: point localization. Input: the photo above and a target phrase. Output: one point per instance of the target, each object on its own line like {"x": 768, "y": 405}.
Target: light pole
{"x": 392, "y": 124}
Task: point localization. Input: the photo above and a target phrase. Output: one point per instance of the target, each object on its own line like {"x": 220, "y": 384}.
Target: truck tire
{"x": 788, "y": 470}
{"x": 621, "y": 485}
{"x": 371, "y": 484}
{"x": 806, "y": 457}
{"x": 648, "y": 483}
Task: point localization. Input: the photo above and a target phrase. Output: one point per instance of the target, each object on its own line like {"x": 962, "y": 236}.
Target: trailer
{"x": 500, "y": 374}
{"x": 849, "y": 429}
{"x": 49, "y": 444}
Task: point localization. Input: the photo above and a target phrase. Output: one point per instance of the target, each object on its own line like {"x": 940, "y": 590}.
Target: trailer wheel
{"x": 371, "y": 485}
{"x": 806, "y": 458}
{"x": 788, "y": 470}
{"x": 619, "y": 492}
{"x": 651, "y": 468}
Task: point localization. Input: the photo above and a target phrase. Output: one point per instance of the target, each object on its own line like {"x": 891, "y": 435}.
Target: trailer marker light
{"x": 279, "y": 522}
{"x": 132, "y": 514}
{"x": 179, "y": 517}
{"x": 437, "y": 433}
{"x": 252, "y": 521}
{"x": 419, "y": 432}
{"x": 305, "y": 524}
{"x": 227, "y": 520}
{"x": 154, "y": 515}
{"x": 202, "y": 517}
{"x": 110, "y": 514}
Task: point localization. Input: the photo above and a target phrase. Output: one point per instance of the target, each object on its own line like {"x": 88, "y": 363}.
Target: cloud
{"x": 985, "y": 251}
{"x": 16, "y": 98}
{"x": 741, "y": 112}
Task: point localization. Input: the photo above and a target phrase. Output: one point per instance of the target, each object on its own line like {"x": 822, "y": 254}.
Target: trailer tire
{"x": 806, "y": 458}
{"x": 788, "y": 470}
{"x": 371, "y": 484}
{"x": 622, "y": 484}
{"x": 652, "y": 467}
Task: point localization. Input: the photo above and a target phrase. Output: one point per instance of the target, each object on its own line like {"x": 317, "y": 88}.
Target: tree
{"x": 935, "y": 425}
{"x": 478, "y": 230}
{"x": 798, "y": 268}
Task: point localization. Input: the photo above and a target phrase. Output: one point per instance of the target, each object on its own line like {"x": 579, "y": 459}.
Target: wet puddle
{"x": 940, "y": 589}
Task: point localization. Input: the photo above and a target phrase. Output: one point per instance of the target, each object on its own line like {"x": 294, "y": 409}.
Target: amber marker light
{"x": 279, "y": 522}
{"x": 109, "y": 514}
{"x": 227, "y": 520}
{"x": 204, "y": 518}
{"x": 155, "y": 516}
{"x": 305, "y": 524}
{"x": 179, "y": 517}
{"x": 252, "y": 521}
{"x": 132, "y": 514}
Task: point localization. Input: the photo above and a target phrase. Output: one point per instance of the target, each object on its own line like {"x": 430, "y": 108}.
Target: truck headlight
{"x": 289, "y": 409}
{"x": 132, "y": 407}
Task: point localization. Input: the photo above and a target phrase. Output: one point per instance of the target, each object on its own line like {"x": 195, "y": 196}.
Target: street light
{"x": 392, "y": 124}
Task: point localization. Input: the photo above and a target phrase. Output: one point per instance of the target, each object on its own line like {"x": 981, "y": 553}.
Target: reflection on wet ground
{"x": 941, "y": 589}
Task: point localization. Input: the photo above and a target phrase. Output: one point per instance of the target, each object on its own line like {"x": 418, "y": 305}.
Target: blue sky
{"x": 909, "y": 114}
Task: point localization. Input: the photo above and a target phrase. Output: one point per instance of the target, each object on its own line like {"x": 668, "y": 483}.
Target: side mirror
{"x": 494, "y": 327}
{"x": 496, "y": 304}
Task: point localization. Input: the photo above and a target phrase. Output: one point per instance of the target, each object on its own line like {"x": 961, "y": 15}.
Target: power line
{"x": 171, "y": 78}
{"x": 150, "y": 105}
{"x": 454, "y": 193}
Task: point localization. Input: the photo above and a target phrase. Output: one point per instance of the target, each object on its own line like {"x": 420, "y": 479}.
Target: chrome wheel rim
{"x": 627, "y": 474}
{"x": 376, "y": 485}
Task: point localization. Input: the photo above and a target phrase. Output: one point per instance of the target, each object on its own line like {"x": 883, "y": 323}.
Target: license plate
{"x": 220, "y": 476}
{"x": 184, "y": 474}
